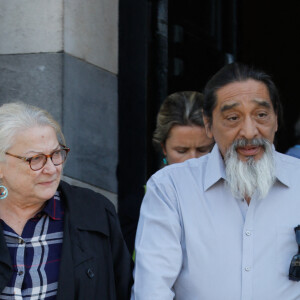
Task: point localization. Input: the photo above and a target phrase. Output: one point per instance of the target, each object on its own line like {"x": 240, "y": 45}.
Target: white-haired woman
{"x": 56, "y": 241}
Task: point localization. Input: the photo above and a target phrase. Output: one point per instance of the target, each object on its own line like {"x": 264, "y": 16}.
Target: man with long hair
{"x": 223, "y": 226}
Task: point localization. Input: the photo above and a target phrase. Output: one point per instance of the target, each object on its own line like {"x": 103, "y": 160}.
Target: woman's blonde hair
{"x": 181, "y": 108}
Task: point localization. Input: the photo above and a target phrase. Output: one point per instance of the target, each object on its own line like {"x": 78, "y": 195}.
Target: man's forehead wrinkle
{"x": 229, "y": 106}
{"x": 263, "y": 102}
{"x": 259, "y": 101}
{"x": 239, "y": 91}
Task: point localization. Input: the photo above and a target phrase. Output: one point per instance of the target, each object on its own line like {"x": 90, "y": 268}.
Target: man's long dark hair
{"x": 237, "y": 72}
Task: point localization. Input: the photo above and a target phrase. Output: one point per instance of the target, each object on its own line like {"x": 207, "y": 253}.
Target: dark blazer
{"x": 95, "y": 263}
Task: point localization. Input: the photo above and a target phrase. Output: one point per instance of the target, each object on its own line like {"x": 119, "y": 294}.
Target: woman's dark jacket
{"x": 95, "y": 263}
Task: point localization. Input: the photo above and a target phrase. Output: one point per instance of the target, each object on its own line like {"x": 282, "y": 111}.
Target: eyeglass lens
{"x": 57, "y": 157}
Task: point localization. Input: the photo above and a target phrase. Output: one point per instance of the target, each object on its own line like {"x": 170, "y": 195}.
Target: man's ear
{"x": 207, "y": 123}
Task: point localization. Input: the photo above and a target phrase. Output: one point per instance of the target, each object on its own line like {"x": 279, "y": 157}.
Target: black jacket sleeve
{"x": 122, "y": 261}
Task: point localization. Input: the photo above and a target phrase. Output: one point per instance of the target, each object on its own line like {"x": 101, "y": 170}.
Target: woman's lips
{"x": 249, "y": 150}
{"x": 47, "y": 182}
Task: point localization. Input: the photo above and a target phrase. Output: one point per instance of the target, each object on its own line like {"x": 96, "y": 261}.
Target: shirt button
{"x": 90, "y": 273}
{"x": 248, "y": 233}
{"x": 247, "y": 269}
{"x": 21, "y": 241}
{"x": 20, "y": 273}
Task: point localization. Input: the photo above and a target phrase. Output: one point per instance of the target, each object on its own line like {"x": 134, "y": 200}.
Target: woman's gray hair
{"x": 181, "y": 108}
{"x": 17, "y": 116}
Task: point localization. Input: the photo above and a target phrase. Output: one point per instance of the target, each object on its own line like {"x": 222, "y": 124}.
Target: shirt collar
{"x": 281, "y": 170}
{"x": 215, "y": 168}
{"x": 54, "y": 208}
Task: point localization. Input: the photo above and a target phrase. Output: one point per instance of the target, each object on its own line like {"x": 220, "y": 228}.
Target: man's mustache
{"x": 252, "y": 142}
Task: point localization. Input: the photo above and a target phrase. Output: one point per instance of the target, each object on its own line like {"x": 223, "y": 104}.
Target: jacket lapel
{"x": 82, "y": 216}
{"x": 75, "y": 220}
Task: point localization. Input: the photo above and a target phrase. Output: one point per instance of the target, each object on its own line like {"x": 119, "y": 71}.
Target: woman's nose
{"x": 49, "y": 167}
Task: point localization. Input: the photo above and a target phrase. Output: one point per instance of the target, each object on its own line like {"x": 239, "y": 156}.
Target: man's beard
{"x": 246, "y": 177}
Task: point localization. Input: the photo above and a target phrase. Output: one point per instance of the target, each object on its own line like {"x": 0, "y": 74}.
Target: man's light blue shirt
{"x": 195, "y": 241}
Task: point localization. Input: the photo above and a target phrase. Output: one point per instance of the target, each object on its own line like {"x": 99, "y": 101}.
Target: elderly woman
{"x": 56, "y": 241}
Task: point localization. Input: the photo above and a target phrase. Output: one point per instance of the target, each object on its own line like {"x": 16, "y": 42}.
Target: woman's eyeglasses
{"x": 294, "y": 273}
{"x": 37, "y": 162}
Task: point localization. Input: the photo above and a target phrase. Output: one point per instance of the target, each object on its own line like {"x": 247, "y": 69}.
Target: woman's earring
{"x": 165, "y": 161}
{"x": 3, "y": 192}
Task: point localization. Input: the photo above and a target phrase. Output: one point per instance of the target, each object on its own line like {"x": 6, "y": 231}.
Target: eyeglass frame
{"x": 29, "y": 159}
